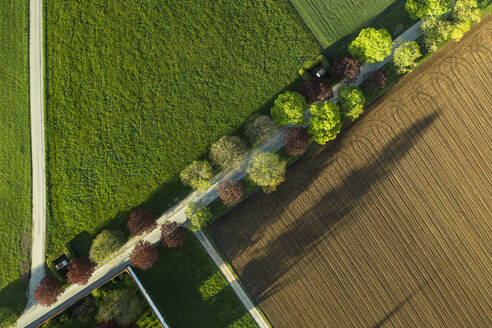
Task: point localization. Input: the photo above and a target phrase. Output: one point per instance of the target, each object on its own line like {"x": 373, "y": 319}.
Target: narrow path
{"x": 37, "y": 314}
{"x": 37, "y": 146}
{"x": 232, "y": 280}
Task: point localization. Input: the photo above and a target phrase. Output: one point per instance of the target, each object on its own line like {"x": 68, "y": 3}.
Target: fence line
{"x": 147, "y": 297}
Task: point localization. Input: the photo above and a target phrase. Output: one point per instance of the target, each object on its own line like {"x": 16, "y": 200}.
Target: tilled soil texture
{"x": 390, "y": 225}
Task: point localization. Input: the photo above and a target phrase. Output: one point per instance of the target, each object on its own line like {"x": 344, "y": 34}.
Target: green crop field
{"x": 337, "y": 21}
{"x": 191, "y": 292}
{"x": 136, "y": 90}
{"x": 15, "y": 154}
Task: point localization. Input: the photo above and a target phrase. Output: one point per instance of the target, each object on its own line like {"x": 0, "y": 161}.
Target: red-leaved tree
{"x": 144, "y": 255}
{"x": 230, "y": 192}
{"x": 376, "y": 80}
{"x": 296, "y": 140}
{"x": 80, "y": 269}
{"x": 346, "y": 68}
{"x": 315, "y": 89}
{"x": 173, "y": 235}
{"x": 141, "y": 221}
{"x": 48, "y": 291}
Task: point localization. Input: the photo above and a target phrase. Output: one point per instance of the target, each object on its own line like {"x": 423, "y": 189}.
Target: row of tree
{"x": 143, "y": 255}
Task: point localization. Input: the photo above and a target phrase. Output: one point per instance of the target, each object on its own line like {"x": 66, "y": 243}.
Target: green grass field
{"x": 336, "y": 22}
{"x": 190, "y": 290}
{"x": 136, "y": 90}
{"x": 15, "y": 154}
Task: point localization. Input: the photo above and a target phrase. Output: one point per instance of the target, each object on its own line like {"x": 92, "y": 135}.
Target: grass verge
{"x": 15, "y": 155}
{"x": 191, "y": 292}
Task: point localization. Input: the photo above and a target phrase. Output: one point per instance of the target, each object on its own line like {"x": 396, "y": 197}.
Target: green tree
{"x": 405, "y": 56}
{"x": 371, "y": 45}
{"x": 228, "y": 152}
{"x": 289, "y": 108}
{"x": 198, "y": 216}
{"x": 197, "y": 175}
{"x": 466, "y": 11}
{"x": 259, "y": 128}
{"x": 267, "y": 170}
{"x": 352, "y": 102}
{"x": 123, "y": 305}
{"x": 325, "y": 122}
{"x": 422, "y": 8}
{"x": 104, "y": 244}
{"x": 438, "y": 30}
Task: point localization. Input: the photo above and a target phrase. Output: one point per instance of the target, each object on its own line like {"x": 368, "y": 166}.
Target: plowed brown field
{"x": 391, "y": 224}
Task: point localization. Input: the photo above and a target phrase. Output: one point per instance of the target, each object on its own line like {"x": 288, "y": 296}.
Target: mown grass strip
{"x": 15, "y": 155}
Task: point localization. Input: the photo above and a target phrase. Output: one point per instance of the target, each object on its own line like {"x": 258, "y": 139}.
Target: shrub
{"x": 315, "y": 89}
{"x": 371, "y": 45}
{"x": 141, "y": 221}
{"x": 7, "y": 317}
{"x": 197, "y": 175}
{"x": 104, "y": 244}
{"x": 352, "y": 102}
{"x": 405, "y": 56}
{"x": 436, "y": 31}
{"x": 122, "y": 305}
{"x": 295, "y": 140}
{"x": 466, "y": 11}
{"x": 198, "y": 216}
{"x": 48, "y": 291}
{"x": 144, "y": 255}
{"x": 346, "y": 68}
{"x": 259, "y": 128}
{"x": 230, "y": 192}
{"x": 289, "y": 108}
{"x": 325, "y": 122}
{"x": 228, "y": 152}
{"x": 267, "y": 170}
{"x": 173, "y": 235}
{"x": 108, "y": 324}
{"x": 82, "y": 307}
{"x": 376, "y": 80}
{"x": 422, "y": 8}
{"x": 80, "y": 269}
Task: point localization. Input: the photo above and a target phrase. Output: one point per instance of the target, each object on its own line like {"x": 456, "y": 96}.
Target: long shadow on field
{"x": 263, "y": 272}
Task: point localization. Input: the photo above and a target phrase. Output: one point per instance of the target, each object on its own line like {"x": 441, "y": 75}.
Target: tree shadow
{"x": 262, "y": 274}
{"x": 14, "y": 295}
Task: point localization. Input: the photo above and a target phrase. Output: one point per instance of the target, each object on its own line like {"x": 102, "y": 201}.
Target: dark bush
{"x": 173, "y": 235}
{"x": 230, "y": 192}
{"x": 315, "y": 89}
{"x": 80, "y": 269}
{"x": 108, "y": 324}
{"x": 376, "y": 80}
{"x": 122, "y": 305}
{"x": 144, "y": 255}
{"x": 82, "y": 307}
{"x": 141, "y": 221}
{"x": 296, "y": 140}
{"x": 48, "y": 291}
{"x": 346, "y": 68}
